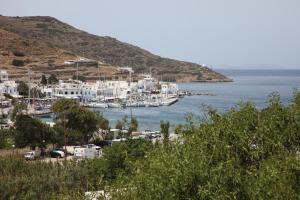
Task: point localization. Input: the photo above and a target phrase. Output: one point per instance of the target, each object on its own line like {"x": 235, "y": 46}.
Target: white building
{"x": 109, "y": 91}
{"x": 169, "y": 88}
{"x": 72, "y": 89}
{"x": 113, "y": 89}
{"x": 146, "y": 84}
{"x": 3, "y": 75}
{"x": 8, "y": 86}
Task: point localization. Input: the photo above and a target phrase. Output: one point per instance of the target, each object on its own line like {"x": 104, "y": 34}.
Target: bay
{"x": 248, "y": 85}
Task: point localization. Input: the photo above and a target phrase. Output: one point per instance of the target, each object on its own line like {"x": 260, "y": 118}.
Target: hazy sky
{"x": 221, "y": 33}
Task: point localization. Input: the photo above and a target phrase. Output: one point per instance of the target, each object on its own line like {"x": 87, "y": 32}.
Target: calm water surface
{"x": 248, "y": 85}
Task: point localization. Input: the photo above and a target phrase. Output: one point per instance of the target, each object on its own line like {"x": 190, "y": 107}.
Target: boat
{"x": 97, "y": 105}
{"x": 136, "y": 104}
{"x": 152, "y": 104}
{"x": 181, "y": 94}
{"x": 168, "y": 102}
{"x": 114, "y": 105}
{"x": 132, "y": 104}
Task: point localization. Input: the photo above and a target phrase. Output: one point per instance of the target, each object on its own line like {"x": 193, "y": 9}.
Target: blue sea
{"x": 248, "y": 85}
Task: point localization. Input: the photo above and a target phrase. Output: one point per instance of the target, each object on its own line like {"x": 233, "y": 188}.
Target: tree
{"x": 18, "y": 108}
{"x": 104, "y": 123}
{"x": 164, "y": 129}
{"x": 125, "y": 123}
{"x": 119, "y": 125}
{"x": 23, "y": 88}
{"x": 74, "y": 137}
{"x": 5, "y": 136}
{"x": 31, "y": 132}
{"x": 52, "y": 79}
{"x": 61, "y": 106}
{"x": 244, "y": 153}
{"x": 71, "y": 115}
{"x": 133, "y": 125}
{"x": 44, "y": 80}
{"x": 117, "y": 160}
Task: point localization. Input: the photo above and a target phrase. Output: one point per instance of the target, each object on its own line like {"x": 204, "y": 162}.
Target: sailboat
{"x": 97, "y": 105}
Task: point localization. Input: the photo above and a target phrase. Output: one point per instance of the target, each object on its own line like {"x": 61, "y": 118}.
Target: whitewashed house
{"x": 3, "y": 76}
{"x": 8, "y": 86}
{"x": 169, "y": 88}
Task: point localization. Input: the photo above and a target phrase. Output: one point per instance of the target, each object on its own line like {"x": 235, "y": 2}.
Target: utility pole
{"x": 1, "y": 93}
{"x": 29, "y": 87}
{"x": 130, "y": 95}
{"x": 33, "y": 97}
{"x": 65, "y": 136}
{"x": 77, "y": 69}
{"x": 98, "y": 71}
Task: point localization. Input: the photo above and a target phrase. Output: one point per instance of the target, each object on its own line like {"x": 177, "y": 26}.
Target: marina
{"x": 150, "y": 109}
{"x": 101, "y": 95}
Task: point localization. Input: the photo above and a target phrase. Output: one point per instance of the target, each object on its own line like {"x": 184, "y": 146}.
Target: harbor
{"x": 111, "y": 94}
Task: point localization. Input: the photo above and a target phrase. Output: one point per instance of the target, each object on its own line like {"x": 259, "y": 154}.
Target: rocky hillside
{"x": 53, "y": 41}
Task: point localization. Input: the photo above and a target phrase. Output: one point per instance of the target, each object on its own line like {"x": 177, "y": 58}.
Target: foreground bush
{"x": 241, "y": 154}
{"x": 244, "y": 153}
{"x": 41, "y": 180}
{"x": 20, "y": 179}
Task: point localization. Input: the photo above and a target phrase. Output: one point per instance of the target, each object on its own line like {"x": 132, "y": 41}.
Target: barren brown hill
{"x": 17, "y": 55}
{"x": 57, "y": 34}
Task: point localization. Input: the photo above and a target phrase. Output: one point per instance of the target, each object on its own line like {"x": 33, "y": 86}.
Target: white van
{"x": 85, "y": 152}
{"x": 32, "y": 155}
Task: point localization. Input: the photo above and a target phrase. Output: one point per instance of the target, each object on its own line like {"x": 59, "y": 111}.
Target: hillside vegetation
{"x": 57, "y": 34}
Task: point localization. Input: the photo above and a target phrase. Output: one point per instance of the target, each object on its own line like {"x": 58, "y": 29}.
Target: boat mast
{"x": 130, "y": 95}
{"x": 33, "y": 99}
{"x": 29, "y": 86}
{"x": 100, "y": 81}
{"x": 77, "y": 69}
{"x": 1, "y": 93}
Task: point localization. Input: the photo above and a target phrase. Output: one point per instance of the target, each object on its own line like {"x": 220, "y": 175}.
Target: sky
{"x": 219, "y": 33}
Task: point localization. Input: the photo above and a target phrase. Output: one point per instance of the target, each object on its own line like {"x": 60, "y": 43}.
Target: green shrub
{"x": 41, "y": 25}
{"x": 41, "y": 180}
{"x": 5, "y": 138}
{"x": 244, "y": 153}
{"x": 17, "y": 62}
{"x": 18, "y": 53}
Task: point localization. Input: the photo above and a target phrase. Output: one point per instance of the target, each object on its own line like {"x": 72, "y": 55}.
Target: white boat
{"x": 136, "y": 104}
{"x": 152, "y": 104}
{"x": 97, "y": 105}
{"x": 168, "y": 102}
{"x": 132, "y": 104}
{"x": 114, "y": 105}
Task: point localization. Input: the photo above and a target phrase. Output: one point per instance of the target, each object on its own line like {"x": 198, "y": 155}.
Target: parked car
{"x": 91, "y": 146}
{"x": 29, "y": 155}
{"x": 57, "y": 153}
